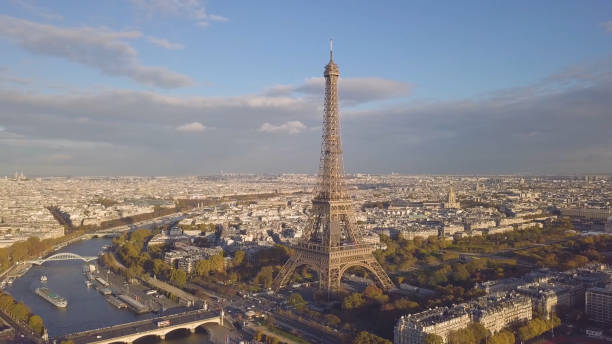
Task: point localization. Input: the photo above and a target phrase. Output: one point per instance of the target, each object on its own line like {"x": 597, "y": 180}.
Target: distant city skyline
{"x": 148, "y": 87}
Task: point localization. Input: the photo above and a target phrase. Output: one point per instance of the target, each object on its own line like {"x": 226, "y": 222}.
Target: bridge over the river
{"x": 130, "y": 332}
{"x": 62, "y": 256}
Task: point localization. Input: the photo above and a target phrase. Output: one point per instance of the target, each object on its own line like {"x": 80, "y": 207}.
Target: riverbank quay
{"x": 184, "y": 298}
{"x": 21, "y": 333}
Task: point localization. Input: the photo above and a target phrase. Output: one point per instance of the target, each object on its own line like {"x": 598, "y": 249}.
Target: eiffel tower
{"x": 331, "y": 242}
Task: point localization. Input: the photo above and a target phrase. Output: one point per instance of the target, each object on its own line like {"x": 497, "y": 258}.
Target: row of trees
{"x": 265, "y": 338}
{"x": 536, "y": 327}
{"x": 474, "y": 333}
{"x": 569, "y": 254}
{"x": 130, "y": 251}
{"x": 401, "y": 254}
{"x": 19, "y": 312}
{"x": 31, "y": 248}
{"x": 202, "y": 227}
{"x": 551, "y": 231}
{"x": 454, "y": 281}
{"x": 365, "y": 337}
{"x": 371, "y": 295}
{"x": 254, "y": 274}
{"x": 502, "y": 337}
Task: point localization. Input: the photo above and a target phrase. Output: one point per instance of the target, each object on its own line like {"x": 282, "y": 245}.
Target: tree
{"x": 265, "y": 276}
{"x": 234, "y": 277}
{"x": 20, "y": 312}
{"x": 473, "y": 333}
{"x": 333, "y": 320}
{"x": 479, "y": 331}
{"x": 460, "y": 273}
{"x": 238, "y": 258}
{"x": 536, "y": 327}
{"x": 134, "y": 271}
{"x": 432, "y": 338}
{"x": 463, "y": 336}
{"x": 297, "y": 301}
{"x": 503, "y": 337}
{"x": 217, "y": 263}
{"x": 202, "y": 267}
{"x": 365, "y": 337}
{"x": 374, "y": 293}
{"x": 6, "y": 301}
{"x": 355, "y": 300}
{"x": 155, "y": 251}
{"x": 139, "y": 236}
{"x": 259, "y": 336}
{"x": 405, "y": 304}
{"x": 178, "y": 277}
{"x": 36, "y": 324}
{"x": 161, "y": 268}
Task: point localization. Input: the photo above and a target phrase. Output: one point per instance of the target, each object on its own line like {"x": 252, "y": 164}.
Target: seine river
{"x": 87, "y": 308}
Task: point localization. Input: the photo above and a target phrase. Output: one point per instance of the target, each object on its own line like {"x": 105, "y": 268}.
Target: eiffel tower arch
{"x": 332, "y": 242}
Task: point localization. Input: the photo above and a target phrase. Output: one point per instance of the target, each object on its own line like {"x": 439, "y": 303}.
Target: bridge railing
{"x": 141, "y": 322}
{"x": 63, "y": 256}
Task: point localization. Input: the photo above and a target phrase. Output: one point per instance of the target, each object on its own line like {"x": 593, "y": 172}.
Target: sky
{"x": 191, "y": 87}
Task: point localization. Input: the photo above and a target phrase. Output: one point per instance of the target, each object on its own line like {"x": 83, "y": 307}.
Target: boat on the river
{"x": 43, "y": 278}
{"x": 51, "y": 297}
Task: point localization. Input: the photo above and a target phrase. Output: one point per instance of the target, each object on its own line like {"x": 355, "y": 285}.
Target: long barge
{"x": 116, "y": 302}
{"x": 134, "y": 304}
{"x": 51, "y": 297}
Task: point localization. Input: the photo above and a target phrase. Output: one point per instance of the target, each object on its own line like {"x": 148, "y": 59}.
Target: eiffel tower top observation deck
{"x": 331, "y": 183}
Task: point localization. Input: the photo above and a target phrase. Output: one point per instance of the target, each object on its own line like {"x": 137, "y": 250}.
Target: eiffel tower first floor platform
{"x": 331, "y": 263}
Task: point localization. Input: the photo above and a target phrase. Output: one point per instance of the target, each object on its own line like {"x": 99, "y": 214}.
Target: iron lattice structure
{"x": 332, "y": 242}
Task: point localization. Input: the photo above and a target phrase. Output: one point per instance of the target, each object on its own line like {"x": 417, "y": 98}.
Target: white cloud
{"x": 521, "y": 130}
{"x": 291, "y": 127}
{"x": 37, "y": 10}
{"x": 164, "y": 43}
{"x": 191, "y": 127}
{"x": 192, "y": 9}
{"x": 217, "y": 18}
{"x": 352, "y": 91}
{"x": 23, "y": 141}
{"x": 101, "y": 49}
{"x": 6, "y": 76}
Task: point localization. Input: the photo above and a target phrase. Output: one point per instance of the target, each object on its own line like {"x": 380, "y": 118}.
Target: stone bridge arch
{"x": 162, "y": 332}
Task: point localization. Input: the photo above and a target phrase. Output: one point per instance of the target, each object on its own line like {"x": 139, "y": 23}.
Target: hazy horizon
{"x": 313, "y": 174}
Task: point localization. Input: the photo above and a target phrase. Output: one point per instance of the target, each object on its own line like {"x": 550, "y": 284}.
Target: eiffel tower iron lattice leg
{"x": 331, "y": 267}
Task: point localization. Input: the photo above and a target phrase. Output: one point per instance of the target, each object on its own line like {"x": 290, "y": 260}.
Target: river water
{"x": 87, "y": 308}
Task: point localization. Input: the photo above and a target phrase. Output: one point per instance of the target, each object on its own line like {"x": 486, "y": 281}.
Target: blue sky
{"x": 428, "y": 87}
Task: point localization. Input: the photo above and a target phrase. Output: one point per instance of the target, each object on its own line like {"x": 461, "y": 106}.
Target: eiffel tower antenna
{"x": 332, "y": 242}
